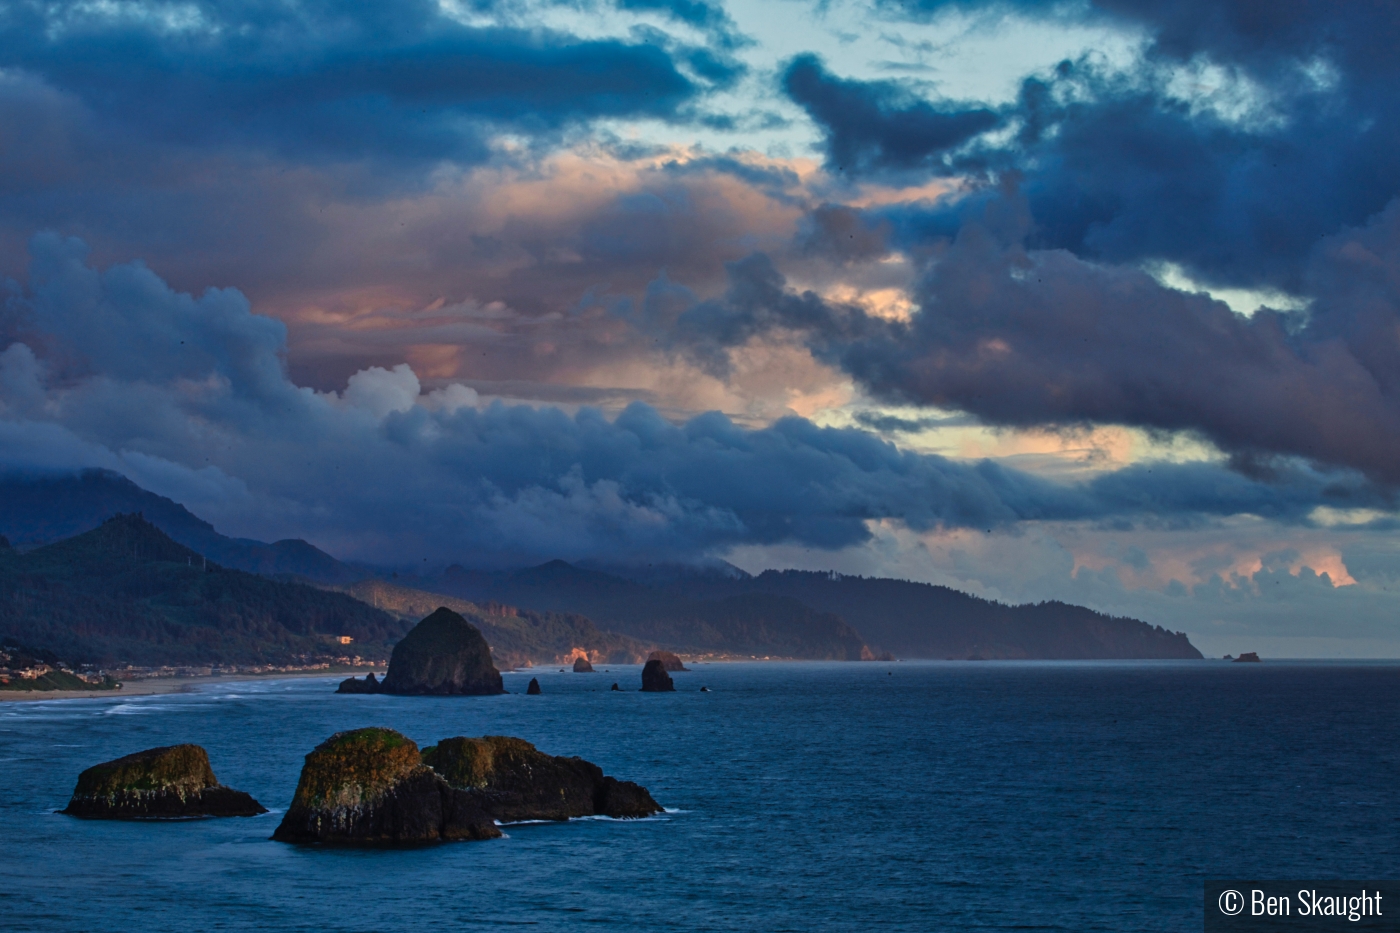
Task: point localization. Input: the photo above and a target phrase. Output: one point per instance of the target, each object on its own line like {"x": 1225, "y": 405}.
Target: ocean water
{"x": 804, "y": 796}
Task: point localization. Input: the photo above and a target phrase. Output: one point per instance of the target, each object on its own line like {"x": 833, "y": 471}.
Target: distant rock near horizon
{"x": 354, "y": 685}
{"x": 668, "y": 660}
{"x": 582, "y": 666}
{"x": 1248, "y": 657}
{"x": 655, "y": 679}
{"x": 168, "y": 783}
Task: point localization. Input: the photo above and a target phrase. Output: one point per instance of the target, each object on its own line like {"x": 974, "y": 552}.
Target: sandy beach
{"x": 160, "y": 685}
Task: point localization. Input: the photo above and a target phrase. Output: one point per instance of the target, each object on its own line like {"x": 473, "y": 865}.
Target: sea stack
{"x": 668, "y": 660}
{"x": 353, "y": 685}
{"x": 581, "y": 666}
{"x": 655, "y": 679}
{"x": 513, "y": 781}
{"x": 169, "y": 783}
{"x": 534, "y": 688}
{"x": 444, "y": 655}
{"x": 1248, "y": 657}
{"x": 370, "y": 787}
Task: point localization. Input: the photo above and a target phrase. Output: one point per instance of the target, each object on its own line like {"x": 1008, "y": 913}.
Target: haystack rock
{"x": 534, "y": 688}
{"x": 169, "y": 783}
{"x": 668, "y": 660}
{"x": 655, "y": 679}
{"x": 513, "y": 781}
{"x": 444, "y": 655}
{"x": 581, "y": 666}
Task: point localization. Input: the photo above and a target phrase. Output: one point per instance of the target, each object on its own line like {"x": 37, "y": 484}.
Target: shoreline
{"x": 159, "y": 686}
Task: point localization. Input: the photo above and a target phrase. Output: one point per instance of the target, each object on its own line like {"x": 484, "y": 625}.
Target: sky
{"x": 1091, "y": 301}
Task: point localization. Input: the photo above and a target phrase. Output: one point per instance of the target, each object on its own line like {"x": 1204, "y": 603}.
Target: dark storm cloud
{"x": 337, "y": 80}
{"x": 1034, "y": 337}
{"x": 837, "y": 232}
{"x": 873, "y": 126}
{"x": 188, "y": 395}
{"x": 893, "y": 424}
{"x": 1288, "y": 141}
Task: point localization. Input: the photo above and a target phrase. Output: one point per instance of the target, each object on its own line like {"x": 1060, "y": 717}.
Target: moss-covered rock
{"x": 172, "y": 782}
{"x": 370, "y": 787}
{"x": 512, "y": 781}
{"x": 655, "y": 679}
{"x": 443, "y": 655}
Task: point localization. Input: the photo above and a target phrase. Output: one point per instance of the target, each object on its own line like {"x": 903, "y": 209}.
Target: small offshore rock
{"x": 511, "y": 780}
{"x": 534, "y": 688}
{"x": 443, "y": 655}
{"x": 581, "y": 666}
{"x": 704, "y": 689}
{"x": 655, "y": 679}
{"x": 616, "y": 687}
{"x": 370, "y": 787}
{"x": 353, "y": 685}
{"x": 668, "y": 660}
{"x": 171, "y": 782}
{"x": 1248, "y": 657}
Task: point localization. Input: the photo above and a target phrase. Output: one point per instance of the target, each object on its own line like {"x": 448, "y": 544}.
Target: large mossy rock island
{"x": 516, "y": 781}
{"x": 444, "y": 655}
{"x": 374, "y": 787}
{"x": 174, "y": 782}
{"x": 370, "y": 787}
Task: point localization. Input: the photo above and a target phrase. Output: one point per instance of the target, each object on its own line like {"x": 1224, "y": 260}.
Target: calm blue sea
{"x": 906, "y": 796}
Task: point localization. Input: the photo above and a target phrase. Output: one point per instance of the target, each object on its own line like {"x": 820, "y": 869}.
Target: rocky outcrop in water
{"x": 512, "y": 781}
{"x": 668, "y": 660}
{"x": 444, "y": 655}
{"x": 534, "y": 688}
{"x": 354, "y": 685}
{"x": 581, "y": 666}
{"x": 1248, "y": 657}
{"x": 370, "y": 787}
{"x": 655, "y": 679}
{"x": 374, "y": 787}
{"x": 173, "y": 782}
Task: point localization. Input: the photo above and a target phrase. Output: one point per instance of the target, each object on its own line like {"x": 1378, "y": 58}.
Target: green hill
{"x": 126, "y": 593}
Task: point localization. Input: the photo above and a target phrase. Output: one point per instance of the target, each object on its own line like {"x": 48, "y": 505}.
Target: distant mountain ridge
{"x": 518, "y": 638}
{"x": 613, "y": 612}
{"x": 744, "y": 624}
{"x": 913, "y": 620}
{"x": 37, "y": 509}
